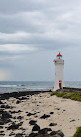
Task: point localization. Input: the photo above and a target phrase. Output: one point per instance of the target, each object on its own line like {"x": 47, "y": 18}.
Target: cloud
{"x": 14, "y": 51}
{"x": 43, "y": 24}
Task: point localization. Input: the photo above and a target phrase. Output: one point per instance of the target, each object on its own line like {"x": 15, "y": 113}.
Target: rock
{"x": 32, "y": 122}
{"x": 72, "y": 120}
{"x": 52, "y": 133}
{"x": 5, "y": 106}
{"x": 36, "y": 128}
{"x": 19, "y": 135}
{"x": 33, "y": 135}
{"x": 11, "y": 134}
{"x": 64, "y": 110}
{"x": 1, "y": 111}
{"x": 19, "y": 111}
{"x": 44, "y": 130}
{"x": 51, "y": 112}
{"x": 58, "y": 108}
{"x": 30, "y": 114}
{"x": 2, "y": 134}
{"x": 20, "y": 124}
{"x": 1, "y": 131}
{"x": 1, "y": 122}
{"x": 44, "y": 116}
{"x": 13, "y": 126}
{"x": 1, "y": 127}
{"x": 1, "y": 102}
{"x": 5, "y": 118}
{"x": 60, "y": 133}
{"x": 13, "y": 112}
{"x": 52, "y": 124}
{"x": 18, "y": 101}
{"x": 56, "y": 135}
{"x": 19, "y": 117}
{"x": 5, "y": 114}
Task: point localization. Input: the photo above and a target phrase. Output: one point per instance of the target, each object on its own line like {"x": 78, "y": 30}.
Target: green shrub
{"x": 69, "y": 95}
{"x": 78, "y": 133}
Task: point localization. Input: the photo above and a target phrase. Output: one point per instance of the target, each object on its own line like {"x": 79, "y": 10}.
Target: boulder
{"x": 36, "y": 128}
{"x": 33, "y": 135}
{"x": 51, "y": 112}
{"x": 32, "y": 122}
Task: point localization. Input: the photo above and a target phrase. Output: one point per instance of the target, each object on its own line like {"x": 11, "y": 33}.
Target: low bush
{"x": 69, "y": 95}
{"x": 78, "y": 133}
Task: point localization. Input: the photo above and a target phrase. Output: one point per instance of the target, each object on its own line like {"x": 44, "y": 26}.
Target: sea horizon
{"x": 16, "y": 86}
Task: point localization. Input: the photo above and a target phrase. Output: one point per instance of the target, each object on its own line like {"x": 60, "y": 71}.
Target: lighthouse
{"x": 59, "y": 72}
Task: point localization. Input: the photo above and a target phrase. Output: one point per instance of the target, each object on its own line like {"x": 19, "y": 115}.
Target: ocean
{"x": 15, "y": 86}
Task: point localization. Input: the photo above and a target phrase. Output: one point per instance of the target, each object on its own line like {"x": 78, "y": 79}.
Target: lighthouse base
{"x": 58, "y": 86}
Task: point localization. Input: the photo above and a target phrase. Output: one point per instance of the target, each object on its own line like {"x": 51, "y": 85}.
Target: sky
{"x": 32, "y": 32}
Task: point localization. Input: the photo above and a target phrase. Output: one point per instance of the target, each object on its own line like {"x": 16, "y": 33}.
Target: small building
{"x": 59, "y": 72}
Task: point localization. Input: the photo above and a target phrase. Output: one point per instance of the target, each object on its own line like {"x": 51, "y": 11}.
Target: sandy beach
{"x": 46, "y": 111}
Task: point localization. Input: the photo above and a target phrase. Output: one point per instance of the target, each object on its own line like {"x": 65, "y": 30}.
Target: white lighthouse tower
{"x": 59, "y": 72}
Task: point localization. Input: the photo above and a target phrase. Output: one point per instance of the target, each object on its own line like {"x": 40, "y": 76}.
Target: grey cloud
{"x": 41, "y": 24}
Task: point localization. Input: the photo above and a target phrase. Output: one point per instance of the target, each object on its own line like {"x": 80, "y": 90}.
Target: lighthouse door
{"x": 60, "y": 84}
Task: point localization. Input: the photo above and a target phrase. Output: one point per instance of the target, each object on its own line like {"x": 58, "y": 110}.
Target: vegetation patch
{"x": 78, "y": 133}
{"x": 69, "y": 95}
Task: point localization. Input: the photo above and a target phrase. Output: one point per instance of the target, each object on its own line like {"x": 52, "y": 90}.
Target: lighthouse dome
{"x": 59, "y": 55}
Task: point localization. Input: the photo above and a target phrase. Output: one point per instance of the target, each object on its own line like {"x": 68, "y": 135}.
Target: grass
{"x": 69, "y": 95}
{"x": 78, "y": 133}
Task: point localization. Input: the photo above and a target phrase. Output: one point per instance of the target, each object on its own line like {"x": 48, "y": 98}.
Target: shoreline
{"x": 20, "y": 93}
{"x": 21, "y": 112}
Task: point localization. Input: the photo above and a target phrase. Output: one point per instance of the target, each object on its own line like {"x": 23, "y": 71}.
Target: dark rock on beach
{"x": 11, "y": 134}
{"x": 51, "y": 112}
{"x": 36, "y": 128}
{"x": 44, "y": 130}
{"x": 72, "y": 120}
{"x": 6, "y": 115}
{"x": 13, "y": 112}
{"x": 5, "y": 118}
{"x": 44, "y": 133}
{"x": 33, "y": 134}
{"x": 19, "y": 135}
{"x": 18, "y": 101}
{"x": 60, "y": 133}
{"x": 30, "y": 114}
{"x": 14, "y": 126}
{"x": 1, "y": 102}
{"x": 1, "y": 111}
{"x": 5, "y": 106}
{"x": 1, "y": 127}
{"x": 32, "y": 122}
{"x": 52, "y": 124}
{"x": 19, "y": 117}
{"x": 45, "y": 116}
